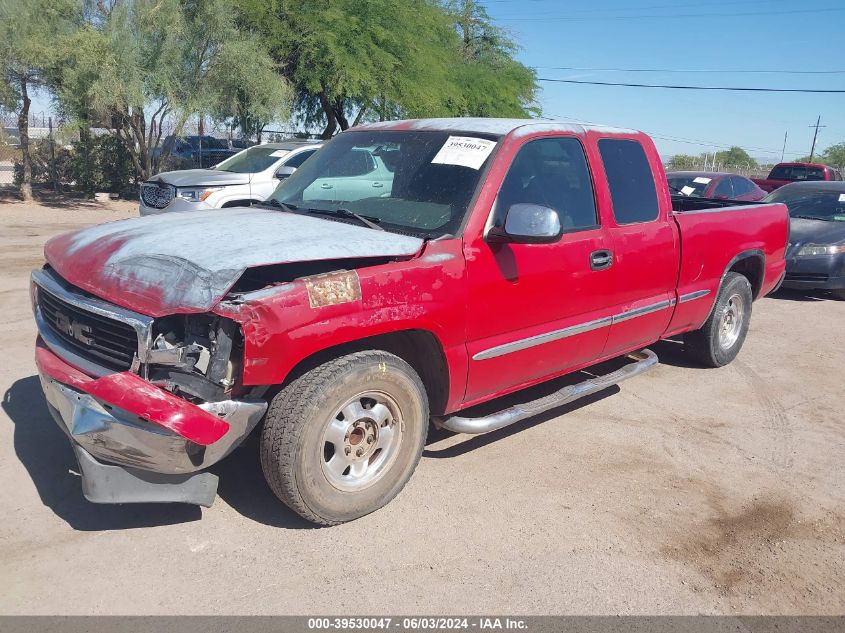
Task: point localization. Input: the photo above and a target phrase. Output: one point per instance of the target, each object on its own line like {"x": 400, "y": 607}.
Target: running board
{"x": 642, "y": 361}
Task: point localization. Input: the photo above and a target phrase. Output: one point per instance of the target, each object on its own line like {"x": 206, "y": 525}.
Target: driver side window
{"x": 550, "y": 172}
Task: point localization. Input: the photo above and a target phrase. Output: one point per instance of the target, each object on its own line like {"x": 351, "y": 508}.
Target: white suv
{"x": 240, "y": 180}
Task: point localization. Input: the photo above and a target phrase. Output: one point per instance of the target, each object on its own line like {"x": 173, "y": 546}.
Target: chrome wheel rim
{"x": 361, "y": 441}
{"x": 732, "y": 319}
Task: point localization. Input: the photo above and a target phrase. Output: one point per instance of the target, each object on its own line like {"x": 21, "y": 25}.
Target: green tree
{"x": 138, "y": 64}
{"x": 835, "y": 155}
{"x": 349, "y": 58}
{"x": 491, "y": 81}
{"x": 683, "y": 161}
{"x": 354, "y": 60}
{"x": 735, "y": 157}
{"x": 28, "y": 33}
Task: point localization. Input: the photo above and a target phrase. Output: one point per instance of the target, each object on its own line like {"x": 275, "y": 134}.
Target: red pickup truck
{"x": 785, "y": 173}
{"x": 405, "y": 273}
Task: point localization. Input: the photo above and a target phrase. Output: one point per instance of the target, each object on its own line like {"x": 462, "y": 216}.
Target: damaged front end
{"x": 147, "y": 403}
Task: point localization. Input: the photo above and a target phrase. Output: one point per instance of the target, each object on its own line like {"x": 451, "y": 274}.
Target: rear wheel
{"x": 343, "y": 439}
{"x": 721, "y": 337}
{"x": 839, "y": 293}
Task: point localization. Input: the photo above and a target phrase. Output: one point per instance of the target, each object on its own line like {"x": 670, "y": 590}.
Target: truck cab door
{"x": 538, "y": 310}
{"x": 646, "y": 251}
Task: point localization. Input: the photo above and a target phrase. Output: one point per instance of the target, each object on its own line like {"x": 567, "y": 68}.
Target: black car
{"x": 815, "y": 257}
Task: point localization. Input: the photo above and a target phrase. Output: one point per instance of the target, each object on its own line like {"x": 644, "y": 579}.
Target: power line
{"x": 721, "y": 16}
{"x": 690, "y": 141}
{"x": 594, "y": 10}
{"x": 693, "y": 70}
{"x": 680, "y": 87}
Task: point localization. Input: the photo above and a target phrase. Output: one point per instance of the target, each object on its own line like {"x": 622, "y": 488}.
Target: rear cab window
{"x": 796, "y": 172}
{"x": 630, "y": 179}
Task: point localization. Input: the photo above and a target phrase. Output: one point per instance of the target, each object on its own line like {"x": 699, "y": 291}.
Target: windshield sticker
{"x": 687, "y": 190}
{"x": 279, "y": 153}
{"x": 464, "y": 151}
{"x": 701, "y": 180}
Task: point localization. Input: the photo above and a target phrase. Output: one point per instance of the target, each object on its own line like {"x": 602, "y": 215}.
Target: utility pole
{"x": 783, "y": 151}
{"x": 815, "y": 135}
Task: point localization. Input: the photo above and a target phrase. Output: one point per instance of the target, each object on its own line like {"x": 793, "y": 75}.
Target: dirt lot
{"x": 684, "y": 491}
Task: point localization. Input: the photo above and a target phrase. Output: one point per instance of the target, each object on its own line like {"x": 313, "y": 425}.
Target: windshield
{"x": 252, "y": 160}
{"x": 817, "y": 205}
{"x": 419, "y": 182}
{"x": 693, "y": 186}
{"x": 796, "y": 172}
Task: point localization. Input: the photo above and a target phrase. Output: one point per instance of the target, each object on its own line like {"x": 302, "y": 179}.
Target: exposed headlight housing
{"x": 194, "y": 194}
{"x": 810, "y": 250}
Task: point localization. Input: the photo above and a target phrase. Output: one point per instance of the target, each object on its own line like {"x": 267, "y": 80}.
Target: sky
{"x": 723, "y": 35}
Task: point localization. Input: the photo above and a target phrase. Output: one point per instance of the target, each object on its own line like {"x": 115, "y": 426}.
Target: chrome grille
{"x": 157, "y": 195}
{"x": 102, "y": 340}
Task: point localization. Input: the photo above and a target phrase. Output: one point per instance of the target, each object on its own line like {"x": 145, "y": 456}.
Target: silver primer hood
{"x": 201, "y": 178}
{"x": 186, "y": 262}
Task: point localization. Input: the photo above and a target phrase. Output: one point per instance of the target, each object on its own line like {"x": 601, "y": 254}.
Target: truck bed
{"x": 685, "y": 203}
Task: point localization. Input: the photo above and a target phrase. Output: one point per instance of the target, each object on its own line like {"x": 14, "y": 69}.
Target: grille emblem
{"x": 74, "y": 329}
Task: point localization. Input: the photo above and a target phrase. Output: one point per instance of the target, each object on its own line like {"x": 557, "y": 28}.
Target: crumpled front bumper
{"x": 127, "y": 447}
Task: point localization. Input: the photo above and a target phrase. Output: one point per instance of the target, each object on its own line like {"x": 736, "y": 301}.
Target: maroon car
{"x": 785, "y": 173}
{"x": 714, "y": 184}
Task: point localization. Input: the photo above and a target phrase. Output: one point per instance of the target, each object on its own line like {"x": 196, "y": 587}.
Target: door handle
{"x": 325, "y": 185}
{"x": 601, "y": 260}
{"x": 378, "y": 185}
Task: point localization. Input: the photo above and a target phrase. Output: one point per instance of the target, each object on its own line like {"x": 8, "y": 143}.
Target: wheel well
{"x": 419, "y": 348}
{"x": 238, "y": 203}
{"x": 751, "y": 267}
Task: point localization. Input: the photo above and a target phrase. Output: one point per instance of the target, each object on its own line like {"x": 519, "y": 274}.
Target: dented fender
{"x": 285, "y": 324}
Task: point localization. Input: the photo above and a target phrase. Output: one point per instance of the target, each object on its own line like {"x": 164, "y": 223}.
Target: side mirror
{"x": 285, "y": 172}
{"x": 528, "y": 224}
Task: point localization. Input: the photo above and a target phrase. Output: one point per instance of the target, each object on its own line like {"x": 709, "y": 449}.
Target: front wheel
{"x": 721, "y": 337}
{"x": 344, "y": 438}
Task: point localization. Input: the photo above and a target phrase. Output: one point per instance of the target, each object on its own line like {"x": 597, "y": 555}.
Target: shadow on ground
{"x": 45, "y": 452}
{"x": 47, "y": 456}
{"x": 52, "y": 199}
{"x": 802, "y": 295}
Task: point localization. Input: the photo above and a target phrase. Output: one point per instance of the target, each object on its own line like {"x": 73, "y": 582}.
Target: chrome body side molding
{"x": 573, "y": 330}
{"x": 692, "y": 296}
{"x": 540, "y": 339}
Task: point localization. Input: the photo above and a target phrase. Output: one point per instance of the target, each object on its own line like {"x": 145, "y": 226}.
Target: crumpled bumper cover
{"x": 137, "y": 443}
{"x": 132, "y": 393}
{"x": 105, "y": 483}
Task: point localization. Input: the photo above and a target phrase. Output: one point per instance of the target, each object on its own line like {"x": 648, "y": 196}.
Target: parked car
{"x": 785, "y": 173}
{"x": 497, "y": 255}
{"x": 712, "y": 184}
{"x": 247, "y": 177}
{"x": 203, "y": 151}
{"x": 815, "y": 259}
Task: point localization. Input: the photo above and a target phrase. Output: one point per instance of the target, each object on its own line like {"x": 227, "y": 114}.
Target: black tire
{"x": 295, "y": 451}
{"x": 839, "y": 293}
{"x": 708, "y": 345}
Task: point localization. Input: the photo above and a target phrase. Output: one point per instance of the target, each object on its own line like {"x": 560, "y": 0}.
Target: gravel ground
{"x": 682, "y": 491}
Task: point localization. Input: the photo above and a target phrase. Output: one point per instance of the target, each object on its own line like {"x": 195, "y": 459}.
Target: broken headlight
{"x": 195, "y": 355}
